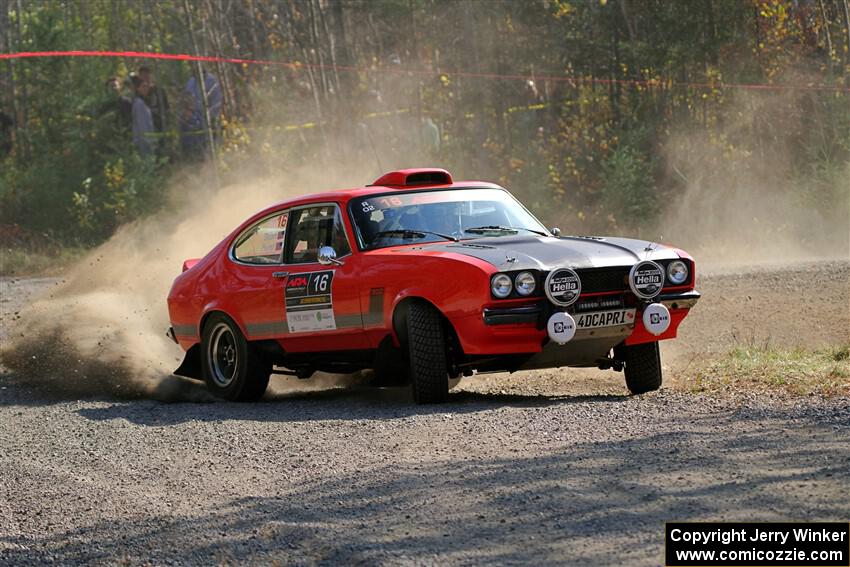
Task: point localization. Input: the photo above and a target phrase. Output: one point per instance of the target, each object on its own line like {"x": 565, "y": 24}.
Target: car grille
{"x": 596, "y": 280}
{"x": 601, "y": 303}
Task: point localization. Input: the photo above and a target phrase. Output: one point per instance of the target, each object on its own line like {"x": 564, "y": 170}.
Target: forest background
{"x": 721, "y": 123}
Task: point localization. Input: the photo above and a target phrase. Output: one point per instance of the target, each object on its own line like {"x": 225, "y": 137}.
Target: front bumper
{"x": 684, "y": 300}
{"x": 520, "y": 315}
{"x": 679, "y": 305}
{"x": 538, "y": 312}
{"x": 521, "y": 328}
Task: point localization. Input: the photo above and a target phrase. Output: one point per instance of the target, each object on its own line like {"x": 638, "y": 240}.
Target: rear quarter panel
{"x": 189, "y": 295}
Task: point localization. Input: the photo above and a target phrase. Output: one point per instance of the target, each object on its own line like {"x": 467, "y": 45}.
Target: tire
{"x": 642, "y": 367}
{"x": 230, "y": 368}
{"x": 426, "y": 342}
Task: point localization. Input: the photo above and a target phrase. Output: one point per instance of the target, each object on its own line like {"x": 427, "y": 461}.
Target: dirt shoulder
{"x": 798, "y": 305}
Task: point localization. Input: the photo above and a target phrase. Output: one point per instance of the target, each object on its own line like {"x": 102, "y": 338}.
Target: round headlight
{"x": 525, "y": 283}
{"x": 501, "y": 285}
{"x": 646, "y": 279}
{"x": 677, "y": 272}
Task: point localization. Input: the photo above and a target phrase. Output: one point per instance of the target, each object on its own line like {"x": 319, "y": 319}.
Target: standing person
{"x": 193, "y": 126}
{"x": 191, "y": 138}
{"x": 143, "y": 128}
{"x": 156, "y": 99}
{"x": 119, "y": 104}
{"x": 429, "y": 136}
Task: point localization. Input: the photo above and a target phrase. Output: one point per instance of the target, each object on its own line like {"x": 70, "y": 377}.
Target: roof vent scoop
{"x": 414, "y": 177}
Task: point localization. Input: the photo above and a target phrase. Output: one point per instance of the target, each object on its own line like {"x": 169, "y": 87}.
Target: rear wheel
{"x": 426, "y": 342}
{"x": 231, "y": 370}
{"x": 642, "y": 366}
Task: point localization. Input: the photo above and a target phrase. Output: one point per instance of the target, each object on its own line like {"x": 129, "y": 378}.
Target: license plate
{"x": 596, "y": 319}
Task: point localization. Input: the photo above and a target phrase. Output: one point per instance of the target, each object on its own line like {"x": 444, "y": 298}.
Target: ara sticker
{"x": 309, "y": 302}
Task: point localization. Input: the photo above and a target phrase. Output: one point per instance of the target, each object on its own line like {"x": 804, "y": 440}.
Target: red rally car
{"x": 423, "y": 280}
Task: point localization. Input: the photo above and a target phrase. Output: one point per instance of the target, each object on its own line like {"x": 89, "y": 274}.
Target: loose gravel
{"x": 363, "y": 477}
{"x": 548, "y": 468}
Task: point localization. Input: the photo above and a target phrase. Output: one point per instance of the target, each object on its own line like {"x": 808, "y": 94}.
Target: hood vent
{"x": 414, "y": 178}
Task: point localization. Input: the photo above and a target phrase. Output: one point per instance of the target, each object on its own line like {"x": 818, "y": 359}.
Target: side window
{"x": 313, "y": 228}
{"x": 263, "y": 242}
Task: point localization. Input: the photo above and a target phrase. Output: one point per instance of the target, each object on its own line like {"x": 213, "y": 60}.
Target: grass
{"x": 18, "y": 262}
{"x": 797, "y": 371}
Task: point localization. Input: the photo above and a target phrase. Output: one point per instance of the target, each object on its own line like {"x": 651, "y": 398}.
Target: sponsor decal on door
{"x": 309, "y": 302}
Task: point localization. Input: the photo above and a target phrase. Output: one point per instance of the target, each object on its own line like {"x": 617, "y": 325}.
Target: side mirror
{"x": 327, "y": 256}
{"x": 555, "y": 231}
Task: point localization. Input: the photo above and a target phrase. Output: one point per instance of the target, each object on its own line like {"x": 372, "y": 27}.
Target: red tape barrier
{"x": 350, "y": 68}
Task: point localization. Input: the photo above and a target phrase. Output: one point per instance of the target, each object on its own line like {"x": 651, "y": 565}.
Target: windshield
{"x": 429, "y": 216}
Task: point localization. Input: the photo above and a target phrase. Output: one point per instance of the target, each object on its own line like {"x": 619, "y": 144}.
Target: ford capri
{"x": 423, "y": 280}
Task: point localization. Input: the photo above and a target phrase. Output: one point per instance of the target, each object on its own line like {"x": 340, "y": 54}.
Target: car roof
{"x": 342, "y": 196}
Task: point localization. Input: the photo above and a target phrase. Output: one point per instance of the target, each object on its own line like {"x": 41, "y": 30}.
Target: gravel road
{"x": 542, "y": 468}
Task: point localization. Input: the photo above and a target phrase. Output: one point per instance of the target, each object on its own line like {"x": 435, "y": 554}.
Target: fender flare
{"x": 398, "y": 317}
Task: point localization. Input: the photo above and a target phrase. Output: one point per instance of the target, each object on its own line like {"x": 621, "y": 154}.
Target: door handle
{"x": 279, "y": 275}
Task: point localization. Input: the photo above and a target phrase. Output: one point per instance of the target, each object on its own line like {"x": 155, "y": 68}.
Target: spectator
{"x": 6, "y": 127}
{"x": 117, "y": 103}
{"x": 191, "y": 139}
{"x": 156, "y": 99}
{"x": 193, "y": 124}
{"x": 429, "y": 135}
{"x": 143, "y": 129}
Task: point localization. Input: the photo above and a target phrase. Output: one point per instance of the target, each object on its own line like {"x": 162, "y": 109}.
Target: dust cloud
{"x": 102, "y": 329}
{"x": 739, "y": 201}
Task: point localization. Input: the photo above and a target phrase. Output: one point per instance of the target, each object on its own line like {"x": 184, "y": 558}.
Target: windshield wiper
{"x": 413, "y": 233}
{"x": 494, "y": 228}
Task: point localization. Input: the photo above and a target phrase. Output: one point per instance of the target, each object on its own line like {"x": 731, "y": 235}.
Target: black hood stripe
{"x": 527, "y": 252}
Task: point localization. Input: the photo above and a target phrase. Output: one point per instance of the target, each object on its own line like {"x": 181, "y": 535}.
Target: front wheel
{"x": 426, "y": 340}
{"x": 230, "y": 369}
{"x": 642, "y": 366}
